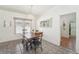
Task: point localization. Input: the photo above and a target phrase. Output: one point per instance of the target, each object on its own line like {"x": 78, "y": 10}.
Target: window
{"x": 21, "y": 24}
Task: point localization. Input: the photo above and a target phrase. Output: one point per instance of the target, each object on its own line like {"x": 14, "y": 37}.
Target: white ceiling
{"x": 36, "y": 10}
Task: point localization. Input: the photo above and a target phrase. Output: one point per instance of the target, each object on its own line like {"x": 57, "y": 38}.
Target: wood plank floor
{"x": 69, "y": 42}
{"x": 15, "y": 47}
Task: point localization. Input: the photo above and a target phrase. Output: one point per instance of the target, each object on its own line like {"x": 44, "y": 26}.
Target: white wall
{"x": 53, "y": 34}
{"x": 7, "y": 33}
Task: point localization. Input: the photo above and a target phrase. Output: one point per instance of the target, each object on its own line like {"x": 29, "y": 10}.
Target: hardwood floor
{"x": 15, "y": 47}
{"x": 68, "y": 42}
{"x": 65, "y": 42}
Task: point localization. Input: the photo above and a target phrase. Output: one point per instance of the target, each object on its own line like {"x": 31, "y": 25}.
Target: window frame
{"x": 18, "y": 18}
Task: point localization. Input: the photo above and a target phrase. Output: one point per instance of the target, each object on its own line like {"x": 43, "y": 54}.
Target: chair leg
{"x": 35, "y": 48}
{"x": 41, "y": 47}
{"x": 26, "y": 48}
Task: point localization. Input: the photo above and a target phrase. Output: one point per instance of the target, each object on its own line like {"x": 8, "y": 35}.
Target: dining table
{"x": 34, "y": 41}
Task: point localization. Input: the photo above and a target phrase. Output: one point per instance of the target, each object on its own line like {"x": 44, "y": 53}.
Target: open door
{"x": 68, "y": 30}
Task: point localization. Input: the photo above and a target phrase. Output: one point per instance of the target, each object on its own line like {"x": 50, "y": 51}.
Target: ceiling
{"x": 36, "y": 10}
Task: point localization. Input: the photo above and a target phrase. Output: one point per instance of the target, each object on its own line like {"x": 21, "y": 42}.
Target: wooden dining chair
{"x": 39, "y": 36}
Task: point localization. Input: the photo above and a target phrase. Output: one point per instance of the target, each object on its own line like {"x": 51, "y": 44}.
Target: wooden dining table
{"x": 35, "y": 40}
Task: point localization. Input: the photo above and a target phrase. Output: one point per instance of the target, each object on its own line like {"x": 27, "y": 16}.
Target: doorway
{"x": 68, "y": 31}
